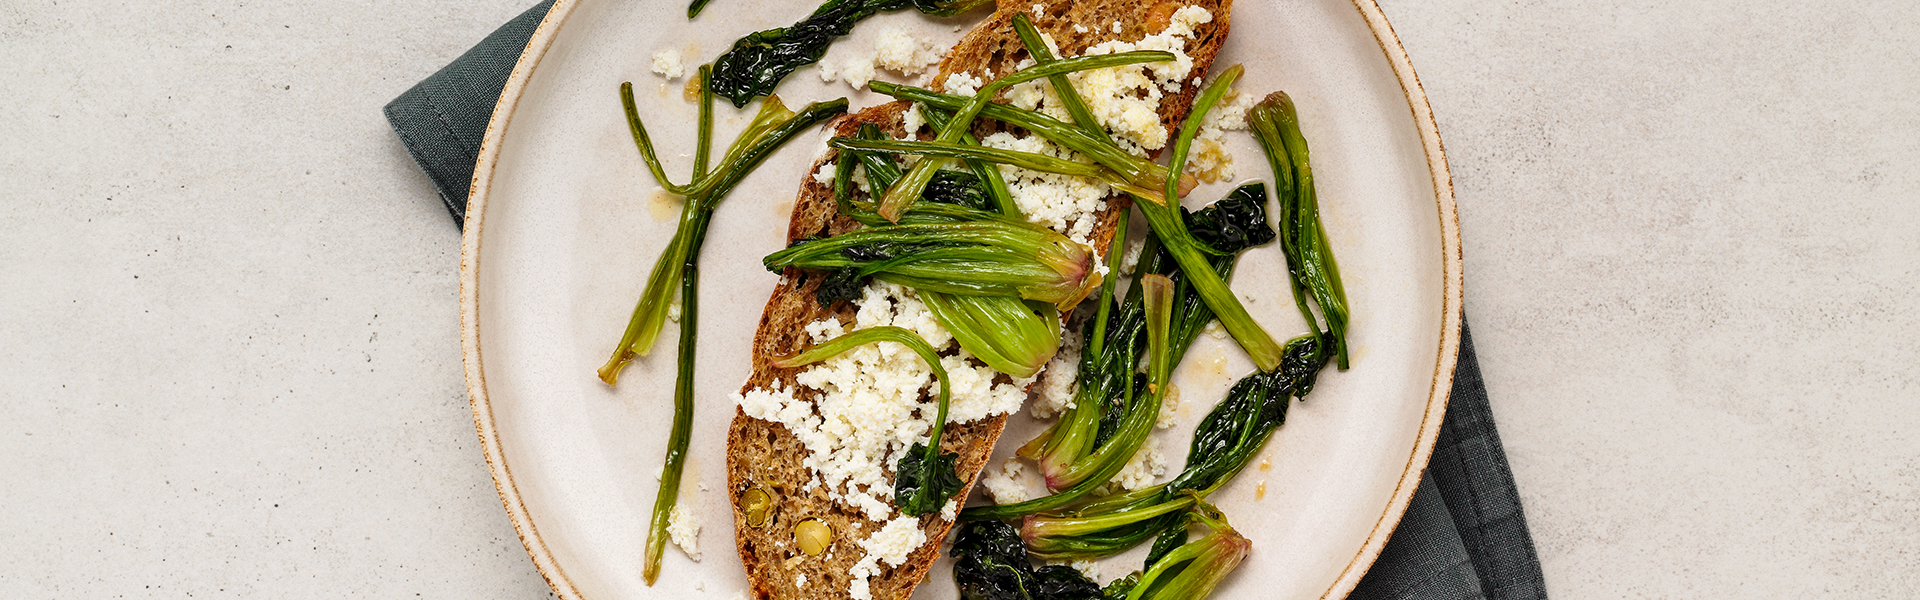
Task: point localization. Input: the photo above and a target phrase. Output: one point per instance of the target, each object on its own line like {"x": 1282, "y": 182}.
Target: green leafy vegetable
{"x": 924, "y": 479}
{"x": 905, "y": 191}
{"x": 843, "y": 284}
{"x": 1101, "y": 464}
{"x": 1224, "y": 442}
{"x": 978, "y": 258}
{"x": 1011, "y": 335}
{"x": 1235, "y": 223}
{"x": 1113, "y": 347}
{"x": 1192, "y": 570}
{"x": 991, "y": 564}
{"x": 1138, "y": 171}
{"x": 756, "y": 63}
{"x": 1310, "y": 262}
{"x": 958, "y": 187}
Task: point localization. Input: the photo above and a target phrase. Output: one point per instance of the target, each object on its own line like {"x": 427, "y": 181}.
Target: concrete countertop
{"x": 230, "y": 350}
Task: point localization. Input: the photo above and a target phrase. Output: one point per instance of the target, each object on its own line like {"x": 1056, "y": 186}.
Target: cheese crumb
{"x": 684, "y": 528}
{"x": 891, "y": 545}
{"x": 1090, "y": 568}
{"x": 1169, "y": 408}
{"x": 1007, "y": 485}
{"x": 1147, "y": 463}
{"x": 1039, "y": 12}
{"x": 824, "y": 176}
{"x": 1058, "y": 381}
{"x": 1215, "y": 330}
{"x": 1210, "y": 161}
{"x": 800, "y": 580}
{"x": 901, "y": 52}
{"x": 673, "y": 311}
{"x": 1078, "y": 28}
{"x": 1063, "y": 203}
{"x": 868, "y": 411}
{"x": 1131, "y": 260}
{"x": 951, "y": 510}
{"x": 913, "y": 120}
{"x": 666, "y": 63}
{"x": 857, "y": 73}
{"x": 962, "y": 84}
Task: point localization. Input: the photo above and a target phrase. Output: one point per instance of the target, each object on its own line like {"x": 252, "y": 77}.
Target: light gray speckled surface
{"x": 231, "y": 353}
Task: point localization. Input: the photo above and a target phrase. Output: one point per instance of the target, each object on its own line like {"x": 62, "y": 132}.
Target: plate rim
{"x": 1437, "y": 396}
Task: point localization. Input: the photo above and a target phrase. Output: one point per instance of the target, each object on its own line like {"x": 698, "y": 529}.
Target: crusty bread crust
{"x": 764, "y": 454}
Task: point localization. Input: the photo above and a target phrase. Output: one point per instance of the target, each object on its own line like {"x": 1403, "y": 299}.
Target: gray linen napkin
{"x": 1463, "y": 536}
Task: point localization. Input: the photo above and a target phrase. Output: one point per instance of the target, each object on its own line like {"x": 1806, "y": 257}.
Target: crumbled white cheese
{"x": 891, "y": 545}
{"x": 962, "y": 84}
{"x": 1215, "y": 330}
{"x": 673, "y": 311}
{"x": 666, "y": 63}
{"x": 1169, "y": 408}
{"x": 896, "y": 50}
{"x": 1039, "y": 12}
{"x": 1007, "y": 484}
{"x": 800, "y": 581}
{"x": 857, "y": 73}
{"x": 869, "y": 411}
{"x": 913, "y": 120}
{"x": 824, "y": 176}
{"x": 951, "y": 510}
{"x": 1116, "y": 27}
{"x": 1090, "y": 568}
{"x": 1054, "y": 394}
{"x": 1078, "y": 28}
{"x": 683, "y": 527}
{"x": 1210, "y": 160}
{"x": 1063, "y": 203}
{"x": 894, "y": 541}
{"x": 1147, "y": 463}
{"x": 1131, "y": 260}
{"x": 901, "y": 52}
{"x": 1126, "y": 99}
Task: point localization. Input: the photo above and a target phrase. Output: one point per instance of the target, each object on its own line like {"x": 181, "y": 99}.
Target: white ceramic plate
{"x": 564, "y": 224}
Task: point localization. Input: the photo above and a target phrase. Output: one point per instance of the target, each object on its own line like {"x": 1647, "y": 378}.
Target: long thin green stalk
{"x": 771, "y": 128}
{"x": 680, "y": 436}
{"x": 1025, "y": 160}
{"x": 1162, "y": 213}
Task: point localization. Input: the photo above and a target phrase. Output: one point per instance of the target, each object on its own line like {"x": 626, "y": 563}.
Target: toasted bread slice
{"x": 764, "y": 455}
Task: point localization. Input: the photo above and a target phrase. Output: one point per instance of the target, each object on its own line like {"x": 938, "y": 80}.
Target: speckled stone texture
{"x": 230, "y": 350}
{"x": 1692, "y": 242}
